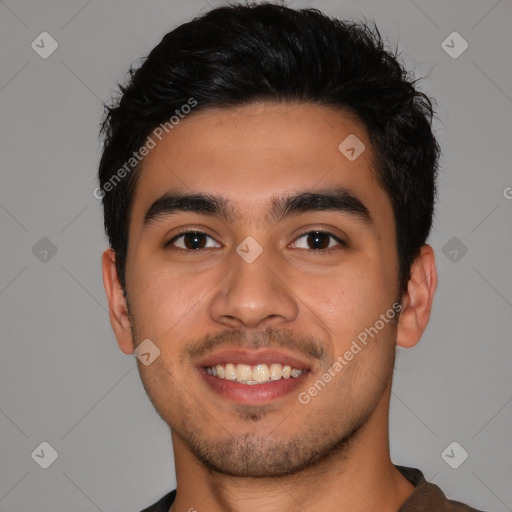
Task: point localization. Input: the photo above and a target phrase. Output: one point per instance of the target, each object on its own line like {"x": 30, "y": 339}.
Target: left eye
{"x": 193, "y": 240}
{"x": 317, "y": 240}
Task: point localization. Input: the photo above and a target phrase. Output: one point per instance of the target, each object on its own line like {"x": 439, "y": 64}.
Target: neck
{"x": 358, "y": 476}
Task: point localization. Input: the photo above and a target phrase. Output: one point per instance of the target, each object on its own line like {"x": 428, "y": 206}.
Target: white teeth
{"x": 220, "y": 371}
{"x": 243, "y": 372}
{"x": 230, "y": 372}
{"x": 257, "y": 374}
{"x": 276, "y": 371}
{"x": 261, "y": 373}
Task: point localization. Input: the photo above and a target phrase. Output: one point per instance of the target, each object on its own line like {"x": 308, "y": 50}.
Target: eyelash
{"x": 303, "y": 235}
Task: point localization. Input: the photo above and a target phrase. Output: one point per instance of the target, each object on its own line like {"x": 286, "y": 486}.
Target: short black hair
{"x": 241, "y": 54}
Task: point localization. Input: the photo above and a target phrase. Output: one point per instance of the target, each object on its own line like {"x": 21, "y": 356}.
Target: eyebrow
{"x": 332, "y": 199}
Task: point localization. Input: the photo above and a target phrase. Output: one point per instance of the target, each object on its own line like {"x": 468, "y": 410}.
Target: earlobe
{"x": 117, "y": 305}
{"x": 417, "y": 300}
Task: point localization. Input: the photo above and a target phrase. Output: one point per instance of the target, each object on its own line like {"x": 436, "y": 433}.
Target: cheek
{"x": 163, "y": 296}
{"x": 349, "y": 299}
{"x": 163, "y": 385}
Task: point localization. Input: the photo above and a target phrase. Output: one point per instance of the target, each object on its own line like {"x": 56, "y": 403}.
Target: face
{"x": 256, "y": 247}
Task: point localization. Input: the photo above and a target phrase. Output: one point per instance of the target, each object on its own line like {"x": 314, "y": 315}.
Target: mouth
{"x": 258, "y": 374}
{"x": 253, "y": 377}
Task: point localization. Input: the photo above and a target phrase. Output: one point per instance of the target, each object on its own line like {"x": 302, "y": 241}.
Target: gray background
{"x": 62, "y": 378}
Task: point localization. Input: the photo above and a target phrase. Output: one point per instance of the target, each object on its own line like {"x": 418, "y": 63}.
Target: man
{"x": 268, "y": 182}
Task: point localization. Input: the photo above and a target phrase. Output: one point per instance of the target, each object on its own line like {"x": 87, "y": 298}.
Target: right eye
{"x": 192, "y": 241}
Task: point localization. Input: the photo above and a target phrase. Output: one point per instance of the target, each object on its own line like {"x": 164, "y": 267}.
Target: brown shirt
{"x": 426, "y": 497}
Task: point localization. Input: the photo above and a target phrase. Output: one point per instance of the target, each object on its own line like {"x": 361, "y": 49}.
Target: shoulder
{"x": 163, "y": 504}
{"x": 427, "y": 497}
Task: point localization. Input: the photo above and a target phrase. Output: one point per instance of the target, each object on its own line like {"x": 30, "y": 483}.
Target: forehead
{"x": 253, "y": 153}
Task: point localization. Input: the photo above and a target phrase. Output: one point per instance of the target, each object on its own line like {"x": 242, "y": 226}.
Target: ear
{"x": 117, "y": 306}
{"x": 417, "y": 300}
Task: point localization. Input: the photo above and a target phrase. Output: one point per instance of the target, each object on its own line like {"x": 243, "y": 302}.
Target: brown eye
{"x": 317, "y": 241}
{"x": 192, "y": 241}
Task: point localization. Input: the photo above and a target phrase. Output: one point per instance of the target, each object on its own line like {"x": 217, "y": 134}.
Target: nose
{"x": 254, "y": 295}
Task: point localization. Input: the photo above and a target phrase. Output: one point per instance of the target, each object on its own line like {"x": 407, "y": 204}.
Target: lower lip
{"x": 252, "y": 393}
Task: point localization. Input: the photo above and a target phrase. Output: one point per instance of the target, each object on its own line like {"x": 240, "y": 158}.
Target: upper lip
{"x": 253, "y": 357}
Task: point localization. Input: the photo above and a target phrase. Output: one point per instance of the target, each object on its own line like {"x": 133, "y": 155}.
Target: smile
{"x": 253, "y": 377}
{"x": 255, "y": 374}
